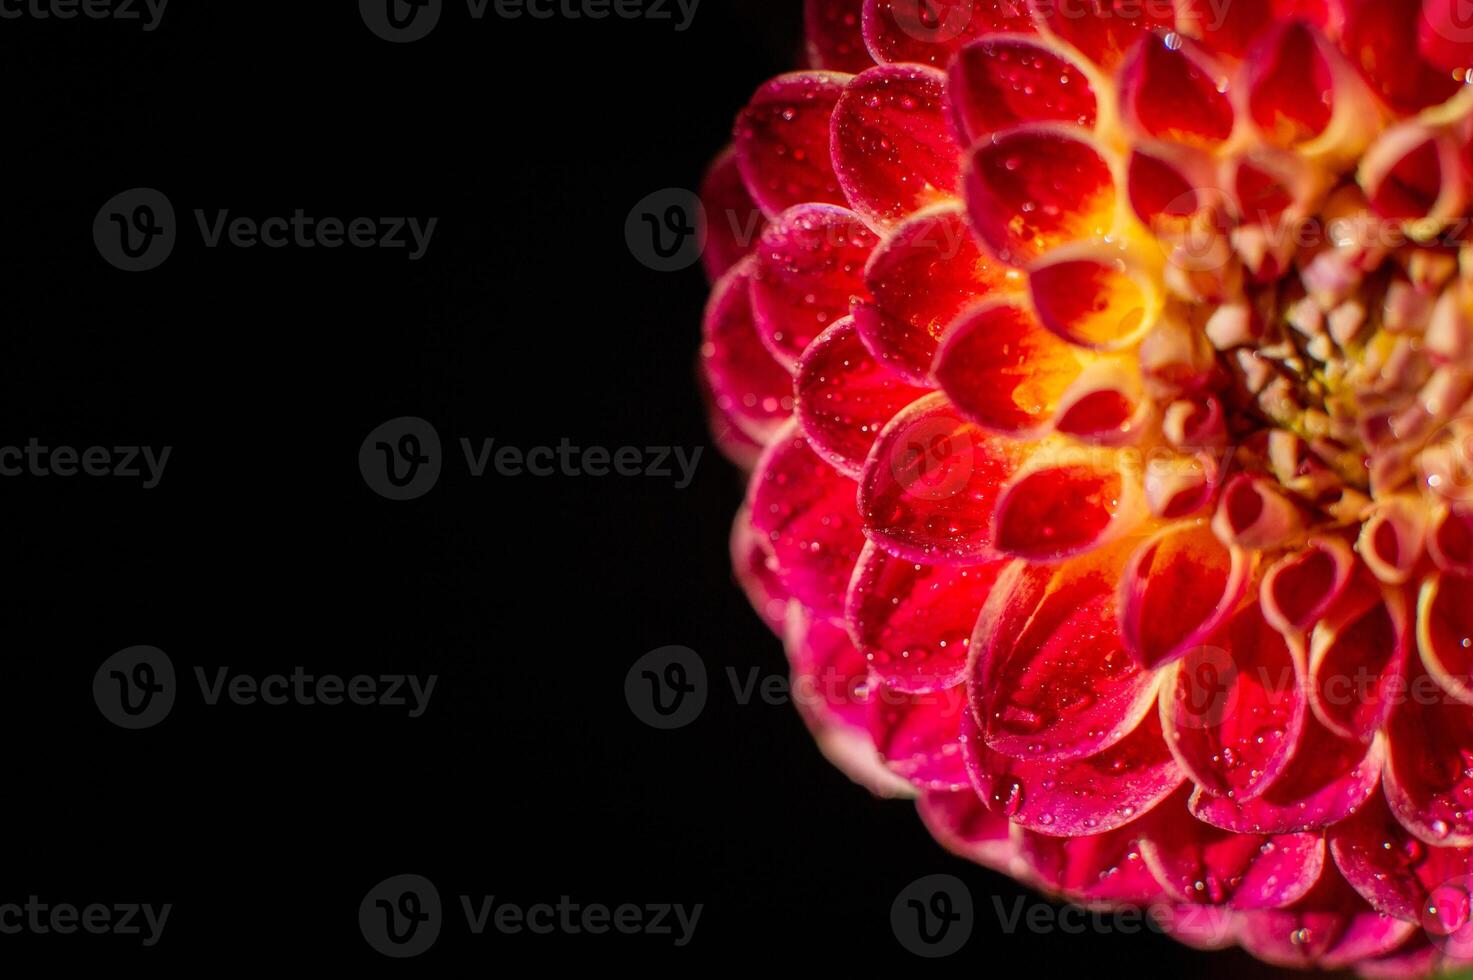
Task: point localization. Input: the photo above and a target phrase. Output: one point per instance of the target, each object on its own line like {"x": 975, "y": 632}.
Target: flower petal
{"x": 920, "y": 277}
{"x": 1093, "y": 298}
{"x": 966, "y": 828}
{"x": 1428, "y": 777}
{"x": 1198, "y": 863}
{"x": 1035, "y": 187}
{"x": 1073, "y": 499}
{"x": 733, "y": 220}
{"x": 1328, "y": 779}
{"x": 1002, "y": 369}
{"x": 806, "y": 510}
{"x": 756, "y": 572}
{"x": 998, "y": 82}
{"x": 1104, "y": 30}
{"x": 1081, "y": 797}
{"x": 930, "y": 483}
{"x": 1301, "y": 587}
{"x": 782, "y": 141}
{"x": 1233, "y": 708}
{"x": 845, "y": 397}
{"x": 1050, "y": 680}
{"x": 749, "y": 387}
{"x": 1330, "y": 927}
{"x": 929, "y": 32}
{"x": 892, "y": 144}
{"x": 1096, "y": 868}
{"x": 917, "y": 735}
{"x": 1381, "y": 39}
{"x": 833, "y": 35}
{"x": 1177, "y": 590}
{"x": 1392, "y": 870}
{"x": 1357, "y": 659}
{"x": 914, "y": 622}
{"x": 809, "y": 264}
{"x": 1170, "y": 90}
{"x": 1445, "y": 632}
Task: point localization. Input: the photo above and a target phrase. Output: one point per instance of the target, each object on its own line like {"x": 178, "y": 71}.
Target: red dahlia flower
{"x": 1104, "y": 371}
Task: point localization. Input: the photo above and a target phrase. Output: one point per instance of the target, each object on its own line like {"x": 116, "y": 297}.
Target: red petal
{"x": 892, "y": 144}
{"x": 1060, "y": 510}
{"x": 1233, "y": 708}
{"x": 1097, "y": 868}
{"x": 845, "y": 397}
{"x": 1445, "y": 36}
{"x": 1391, "y": 869}
{"x": 920, "y": 277}
{"x": 834, "y": 37}
{"x": 1301, "y": 586}
{"x": 1104, "y": 29}
{"x": 917, "y": 736}
{"x": 1358, "y": 656}
{"x": 1001, "y": 368}
{"x": 1403, "y": 173}
{"x": 1381, "y": 38}
{"x": 1451, "y": 542}
{"x": 733, "y": 220}
{"x": 1328, "y": 779}
{"x": 914, "y": 622}
{"x": 1078, "y": 798}
{"x": 1000, "y": 82}
{"x": 756, "y": 571}
{"x": 782, "y": 141}
{"x": 831, "y": 689}
{"x": 930, "y": 483}
{"x": 1225, "y": 28}
{"x": 1290, "y": 85}
{"x": 1171, "y": 91}
{"x": 806, "y": 510}
{"x": 1198, "y": 863}
{"x": 1445, "y": 632}
{"x": 966, "y": 828}
{"x": 929, "y": 32}
{"x": 1429, "y": 765}
{"x": 1091, "y": 298}
{"x": 1330, "y": 927}
{"x": 809, "y": 264}
{"x": 1050, "y": 679}
{"x": 1036, "y": 187}
{"x": 1177, "y": 590}
{"x": 749, "y": 387}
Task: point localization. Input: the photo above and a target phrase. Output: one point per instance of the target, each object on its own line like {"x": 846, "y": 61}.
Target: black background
{"x": 262, "y": 549}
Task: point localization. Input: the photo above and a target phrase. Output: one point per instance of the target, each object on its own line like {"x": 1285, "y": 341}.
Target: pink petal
{"x": 920, "y": 277}
{"x": 1178, "y": 589}
{"x": 845, "y": 397}
{"x": 749, "y": 387}
{"x": 1392, "y": 870}
{"x": 1035, "y": 187}
{"x": 1104, "y": 29}
{"x": 1081, "y": 797}
{"x": 1328, "y": 779}
{"x": 1050, "y": 680}
{"x": 917, "y": 736}
{"x": 1358, "y": 656}
{"x": 806, "y": 510}
{"x": 1444, "y": 629}
{"x": 930, "y": 483}
{"x": 782, "y": 141}
{"x": 966, "y": 828}
{"x": 914, "y": 622}
{"x": 832, "y": 30}
{"x": 1301, "y": 586}
{"x": 1170, "y": 90}
{"x": 1098, "y": 868}
{"x": 1233, "y": 708}
{"x": 756, "y": 572}
{"x": 733, "y": 220}
{"x": 929, "y": 32}
{"x": 1428, "y": 777}
{"x": 1002, "y": 369}
{"x": 999, "y": 82}
{"x": 809, "y": 264}
{"x": 1330, "y": 927}
{"x": 892, "y": 144}
{"x": 1199, "y": 863}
